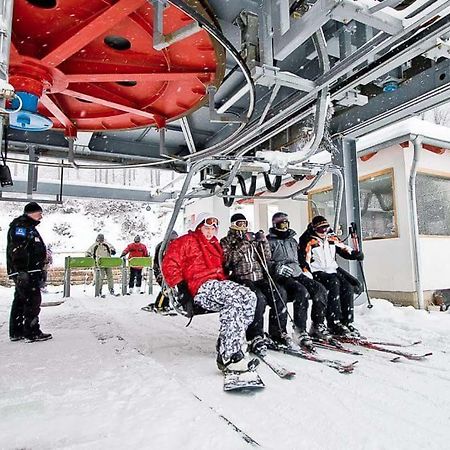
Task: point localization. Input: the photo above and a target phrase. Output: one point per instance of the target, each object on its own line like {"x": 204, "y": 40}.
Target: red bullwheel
{"x": 92, "y": 65}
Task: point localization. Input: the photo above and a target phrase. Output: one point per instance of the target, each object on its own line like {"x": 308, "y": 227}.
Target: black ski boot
{"x": 38, "y": 336}
{"x": 258, "y": 346}
{"x": 338, "y": 329}
{"x": 236, "y": 363}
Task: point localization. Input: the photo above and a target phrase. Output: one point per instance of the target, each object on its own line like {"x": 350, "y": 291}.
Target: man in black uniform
{"x": 25, "y": 259}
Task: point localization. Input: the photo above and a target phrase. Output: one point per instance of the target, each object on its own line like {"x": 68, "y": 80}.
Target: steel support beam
{"x": 425, "y": 91}
{"x": 350, "y": 212}
{"x": 77, "y": 190}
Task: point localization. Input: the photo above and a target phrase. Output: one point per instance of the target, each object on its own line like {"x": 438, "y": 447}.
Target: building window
{"x": 433, "y": 204}
{"x": 321, "y": 203}
{"x": 378, "y": 213}
{"x": 377, "y": 202}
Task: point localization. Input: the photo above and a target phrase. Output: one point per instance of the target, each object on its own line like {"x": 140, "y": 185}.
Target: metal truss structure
{"x": 299, "y": 76}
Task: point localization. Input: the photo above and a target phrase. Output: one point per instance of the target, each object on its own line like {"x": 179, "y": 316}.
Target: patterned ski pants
{"x": 236, "y": 306}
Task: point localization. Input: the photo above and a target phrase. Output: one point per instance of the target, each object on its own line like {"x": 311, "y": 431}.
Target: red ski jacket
{"x": 135, "y": 250}
{"x": 194, "y": 259}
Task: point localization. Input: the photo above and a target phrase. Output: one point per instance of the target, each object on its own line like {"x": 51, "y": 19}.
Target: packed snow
{"x": 116, "y": 377}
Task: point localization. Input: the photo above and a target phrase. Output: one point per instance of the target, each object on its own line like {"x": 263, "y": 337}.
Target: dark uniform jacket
{"x": 25, "y": 251}
{"x": 241, "y": 259}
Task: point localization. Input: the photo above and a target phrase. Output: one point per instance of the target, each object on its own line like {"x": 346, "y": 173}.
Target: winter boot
{"x": 338, "y": 329}
{"x": 258, "y": 346}
{"x": 319, "y": 332}
{"x": 354, "y": 332}
{"x": 39, "y": 336}
{"x": 283, "y": 339}
{"x": 304, "y": 340}
{"x": 236, "y": 363}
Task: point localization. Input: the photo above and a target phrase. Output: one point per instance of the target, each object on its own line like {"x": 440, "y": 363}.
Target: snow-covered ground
{"x": 115, "y": 377}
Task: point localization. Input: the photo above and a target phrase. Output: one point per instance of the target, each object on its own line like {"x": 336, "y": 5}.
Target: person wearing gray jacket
{"x": 102, "y": 249}
{"x": 294, "y": 284}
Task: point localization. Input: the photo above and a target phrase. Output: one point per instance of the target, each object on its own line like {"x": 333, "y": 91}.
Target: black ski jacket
{"x": 25, "y": 250}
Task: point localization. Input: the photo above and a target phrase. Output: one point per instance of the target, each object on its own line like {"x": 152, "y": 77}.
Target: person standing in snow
{"x": 162, "y": 301}
{"x": 25, "y": 259}
{"x": 317, "y": 254}
{"x": 246, "y": 256}
{"x": 102, "y": 249}
{"x": 135, "y": 250}
{"x": 194, "y": 264}
{"x": 295, "y": 284}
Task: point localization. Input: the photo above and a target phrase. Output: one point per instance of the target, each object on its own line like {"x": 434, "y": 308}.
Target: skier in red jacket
{"x": 194, "y": 263}
{"x": 135, "y": 250}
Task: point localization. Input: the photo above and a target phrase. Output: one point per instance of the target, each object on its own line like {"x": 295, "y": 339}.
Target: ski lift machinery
{"x": 238, "y": 167}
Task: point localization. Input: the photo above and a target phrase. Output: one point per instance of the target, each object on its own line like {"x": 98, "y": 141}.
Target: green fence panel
{"x": 140, "y": 262}
{"x": 107, "y": 263}
{"x": 81, "y": 262}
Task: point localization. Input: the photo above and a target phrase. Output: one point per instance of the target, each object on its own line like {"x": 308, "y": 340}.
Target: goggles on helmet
{"x": 240, "y": 225}
{"x": 282, "y": 225}
{"x": 211, "y": 222}
{"x": 322, "y": 229}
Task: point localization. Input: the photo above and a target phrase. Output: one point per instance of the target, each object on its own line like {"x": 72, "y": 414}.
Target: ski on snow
{"x": 276, "y": 366}
{"x": 335, "y": 345}
{"x": 373, "y": 346}
{"x": 243, "y": 381}
{"x": 340, "y": 366}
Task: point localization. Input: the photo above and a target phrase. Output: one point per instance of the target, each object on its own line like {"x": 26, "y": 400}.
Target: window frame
{"x": 437, "y": 174}
{"x": 388, "y": 170}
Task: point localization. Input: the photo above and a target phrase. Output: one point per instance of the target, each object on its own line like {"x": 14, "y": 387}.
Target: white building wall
{"x": 434, "y": 250}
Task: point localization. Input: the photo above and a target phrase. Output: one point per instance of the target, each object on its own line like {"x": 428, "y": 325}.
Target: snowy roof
{"x": 406, "y": 127}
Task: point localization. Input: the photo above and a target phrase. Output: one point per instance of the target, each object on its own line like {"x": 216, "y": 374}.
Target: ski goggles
{"x": 211, "y": 222}
{"x": 282, "y": 225}
{"x": 322, "y": 229}
{"x": 240, "y": 224}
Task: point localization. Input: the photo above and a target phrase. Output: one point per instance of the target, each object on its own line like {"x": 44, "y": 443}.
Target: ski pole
{"x": 356, "y": 245}
{"x": 272, "y": 284}
{"x": 261, "y": 258}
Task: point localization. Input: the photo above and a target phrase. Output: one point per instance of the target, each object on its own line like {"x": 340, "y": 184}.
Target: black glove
{"x": 113, "y": 252}
{"x": 185, "y": 298}
{"x": 249, "y": 236}
{"x": 284, "y": 271}
{"x": 260, "y": 236}
{"x": 359, "y": 256}
{"x": 23, "y": 280}
{"x": 122, "y": 255}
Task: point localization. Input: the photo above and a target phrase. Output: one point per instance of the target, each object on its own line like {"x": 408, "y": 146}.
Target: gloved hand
{"x": 249, "y": 236}
{"x": 23, "y": 279}
{"x": 308, "y": 275}
{"x": 260, "y": 236}
{"x": 113, "y": 252}
{"x": 185, "y": 298}
{"x": 359, "y": 256}
{"x": 184, "y": 295}
{"x": 284, "y": 271}
{"x": 122, "y": 255}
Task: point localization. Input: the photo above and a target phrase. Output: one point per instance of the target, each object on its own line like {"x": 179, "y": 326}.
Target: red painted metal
{"x": 60, "y": 55}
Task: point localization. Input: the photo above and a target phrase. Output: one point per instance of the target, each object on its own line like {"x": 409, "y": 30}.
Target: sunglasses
{"x": 240, "y": 223}
{"x": 323, "y": 229}
{"x": 211, "y": 222}
{"x": 282, "y": 225}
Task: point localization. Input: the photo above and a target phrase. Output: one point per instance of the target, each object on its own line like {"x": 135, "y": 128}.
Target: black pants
{"x": 318, "y": 295}
{"x": 340, "y": 297}
{"x": 265, "y": 297}
{"x": 293, "y": 291}
{"x": 26, "y": 306}
{"x": 135, "y": 274}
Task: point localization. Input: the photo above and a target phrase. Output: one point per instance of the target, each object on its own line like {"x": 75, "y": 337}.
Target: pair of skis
{"x": 336, "y": 344}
